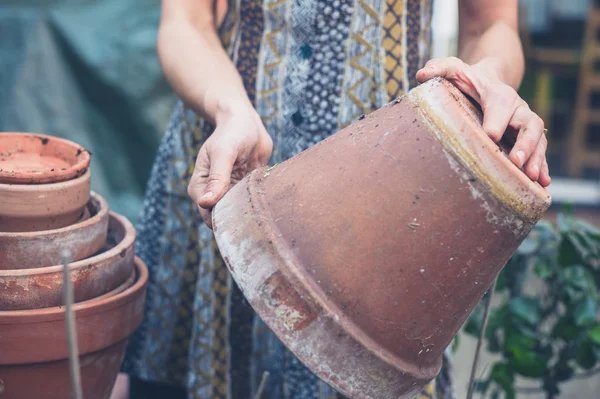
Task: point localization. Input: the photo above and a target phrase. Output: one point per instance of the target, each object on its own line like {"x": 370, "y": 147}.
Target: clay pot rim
{"x": 121, "y": 288}
{"x": 48, "y": 187}
{"x": 126, "y": 242}
{"x": 499, "y": 173}
{"x": 103, "y": 210}
{"x": 36, "y": 178}
{"x": 91, "y": 306}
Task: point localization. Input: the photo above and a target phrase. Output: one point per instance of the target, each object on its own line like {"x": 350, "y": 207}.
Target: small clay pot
{"x": 29, "y": 158}
{"x": 43, "y": 248}
{"x": 32, "y": 207}
{"x": 366, "y": 253}
{"x": 42, "y": 287}
{"x": 34, "y": 361}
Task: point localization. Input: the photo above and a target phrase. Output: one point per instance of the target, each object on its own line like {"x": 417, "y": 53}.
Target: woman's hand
{"x": 502, "y": 107}
{"x": 238, "y": 145}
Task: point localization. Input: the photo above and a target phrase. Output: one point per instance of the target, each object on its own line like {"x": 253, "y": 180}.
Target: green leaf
{"x": 586, "y": 358}
{"x": 568, "y": 254}
{"x": 582, "y": 251}
{"x": 565, "y": 328}
{"x": 576, "y": 281}
{"x": 594, "y": 334}
{"x": 504, "y": 377}
{"x": 564, "y": 219}
{"x": 543, "y": 269}
{"x": 585, "y": 311}
{"x": 523, "y": 356}
{"x": 525, "y": 309}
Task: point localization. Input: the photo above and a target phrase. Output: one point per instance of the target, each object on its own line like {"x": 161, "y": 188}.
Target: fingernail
{"x": 536, "y": 168}
{"x": 207, "y": 195}
{"x": 521, "y": 156}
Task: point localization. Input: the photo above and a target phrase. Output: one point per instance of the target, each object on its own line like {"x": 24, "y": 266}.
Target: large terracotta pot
{"x": 29, "y": 158}
{"x": 33, "y": 345}
{"x": 366, "y": 253}
{"x": 37, "y": 207}
{"x": 42, "y": 287}
{"x": 43, "y": 248}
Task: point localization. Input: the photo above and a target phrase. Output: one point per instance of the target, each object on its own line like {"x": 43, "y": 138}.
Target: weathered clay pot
{"x": 34, "y": 354}
{"x": 42, "y": 287}
{"x": 43, "y": 248}
{"x": 366, "y": 253}
{"x": 29, "y": 158}
{"x": 38, "y": 207}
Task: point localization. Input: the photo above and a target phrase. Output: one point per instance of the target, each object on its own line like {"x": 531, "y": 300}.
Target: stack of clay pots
{"x": 49, "y": 216}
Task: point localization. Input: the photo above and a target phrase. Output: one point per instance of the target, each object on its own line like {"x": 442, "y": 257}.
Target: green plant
{"x": 549, "y": 334}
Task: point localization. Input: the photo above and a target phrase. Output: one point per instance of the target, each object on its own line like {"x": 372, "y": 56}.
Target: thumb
{"x": 219, "y": 177}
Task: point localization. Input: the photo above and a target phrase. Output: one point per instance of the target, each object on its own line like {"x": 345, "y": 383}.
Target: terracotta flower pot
{"x": 43, "y": 248}
{"x": 42, "y": 287}
{"x": 33, "y": 207}
{"x": 34, "y": 354}
{"x": 366, "y": 253}
{"x": 29, "y": 158}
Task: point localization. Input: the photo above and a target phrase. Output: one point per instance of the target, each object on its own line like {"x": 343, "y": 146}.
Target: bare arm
{"x": 489, "y": 69}
{"x": 489, "y": 34}
{"x": 194, "y": 61}
{"x": 206, "y": 80}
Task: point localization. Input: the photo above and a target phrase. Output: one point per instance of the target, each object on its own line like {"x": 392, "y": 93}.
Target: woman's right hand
{"x": 239, "y": 144}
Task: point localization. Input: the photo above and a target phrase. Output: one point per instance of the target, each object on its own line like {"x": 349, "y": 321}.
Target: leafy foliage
{"x": 553, "y": 336}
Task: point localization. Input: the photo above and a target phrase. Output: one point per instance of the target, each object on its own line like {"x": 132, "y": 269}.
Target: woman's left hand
{"x": 502, "y": 107}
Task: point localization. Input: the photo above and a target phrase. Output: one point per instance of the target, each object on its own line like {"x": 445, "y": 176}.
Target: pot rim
{"x": 48, "y": 187}
{"x": 120, "y": 288}
{"x": 102, "y": 208}
{"x": 81, "y": 165}
{"x": 89, "y": 307}
{"x": 444, "y": 111}
{"x": 126, "y": 242}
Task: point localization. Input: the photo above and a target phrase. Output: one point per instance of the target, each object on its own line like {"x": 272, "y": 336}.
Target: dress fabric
{"x": 310, "y": 67}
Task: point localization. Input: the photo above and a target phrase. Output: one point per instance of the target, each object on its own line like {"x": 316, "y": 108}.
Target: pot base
{"x": 51, "y": 380}
{"x": 310, "y": 326}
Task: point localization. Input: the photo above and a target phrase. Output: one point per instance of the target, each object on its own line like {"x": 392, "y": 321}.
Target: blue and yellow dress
{"x": 310, "y": 67}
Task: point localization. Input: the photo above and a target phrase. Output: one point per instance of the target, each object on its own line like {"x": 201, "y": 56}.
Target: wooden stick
{"x": 486, "y": 316}
{"x": 75, "y": 372}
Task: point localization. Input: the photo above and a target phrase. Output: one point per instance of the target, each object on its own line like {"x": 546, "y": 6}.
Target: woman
{"x": 261, "y": 81}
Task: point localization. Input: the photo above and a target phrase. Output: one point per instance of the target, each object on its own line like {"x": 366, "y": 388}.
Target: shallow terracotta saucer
{"x": 30, "y": 158}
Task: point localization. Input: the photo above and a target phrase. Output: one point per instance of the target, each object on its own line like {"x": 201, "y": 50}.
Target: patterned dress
{"x": 310, "y": 67}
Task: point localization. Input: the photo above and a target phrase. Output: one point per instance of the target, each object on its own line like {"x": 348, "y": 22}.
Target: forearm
{"x": 488, "y": 36}
{"x": 499, "y": 48}
{"x": 199, "y": 70}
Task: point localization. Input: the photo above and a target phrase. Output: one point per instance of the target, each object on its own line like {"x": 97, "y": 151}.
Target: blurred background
{"x": 87, "y": 71}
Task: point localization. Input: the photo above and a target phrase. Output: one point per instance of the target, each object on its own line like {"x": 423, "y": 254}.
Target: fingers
{"x": 535, "y": 163}
{"x": 219, "y": 176}
{"x": 531, "y": 130}
{"x": 502, "y": 108}
{"x": 211, "y": 178}
{"x": 456, "y": 71}
{"x": 498, "y": 110}
{"x": 545, "y": 178}
{"x": 206, "y": 216}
